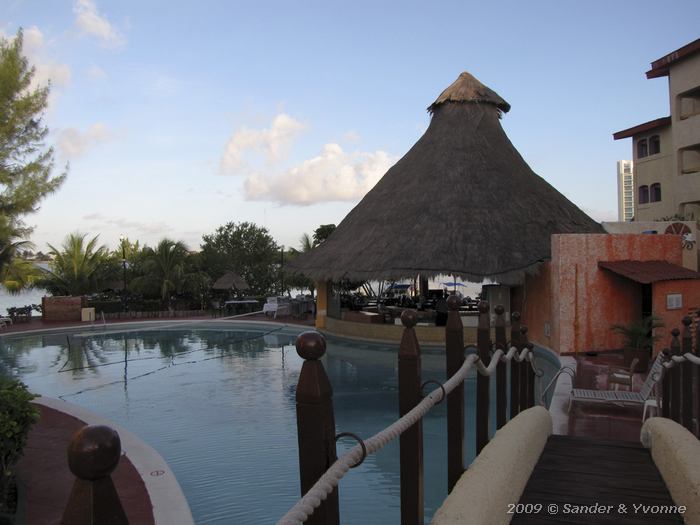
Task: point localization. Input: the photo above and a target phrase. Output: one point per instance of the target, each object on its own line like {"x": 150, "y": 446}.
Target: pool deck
{"x": 45, "y": 473}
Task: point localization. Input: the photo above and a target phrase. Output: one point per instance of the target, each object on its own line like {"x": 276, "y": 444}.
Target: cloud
{"x": 45, "y": 71}
{"x": 333, "y": 175}
{"x": 74, "y": 143}
{"x": 89, "y": 21}
{"x": 272, "y": 143}
{"x": 128, "y": 225}
{"x": 96, "y": 73}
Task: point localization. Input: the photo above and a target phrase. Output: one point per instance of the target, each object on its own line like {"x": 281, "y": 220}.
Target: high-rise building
{"x": 666, "y": 151}
{"x": 625, "y": 191}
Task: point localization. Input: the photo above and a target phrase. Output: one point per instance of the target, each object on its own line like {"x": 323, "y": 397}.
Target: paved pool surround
{"x": 169, "y": 503}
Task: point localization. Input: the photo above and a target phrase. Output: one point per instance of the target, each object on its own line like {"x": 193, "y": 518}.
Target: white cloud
{"x": 45, "y": 71}
{"x": 74, "y": 143}
{"x": 89, "y": 20}
{"x": 127, "y": 225}
{"x": 333, "y": 175}
{"x": 272, "y": 143}
{"x": 96, "y": 73}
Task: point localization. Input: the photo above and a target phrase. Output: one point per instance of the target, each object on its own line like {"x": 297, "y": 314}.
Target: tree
{"x": 246, "y": 249}
{"x": 322, "y": 232}
{"x": 297, "y": 280}
{"x": 75, "y": 267}
{"x": 163, "y": 270}
{"x": 25, "y": 162}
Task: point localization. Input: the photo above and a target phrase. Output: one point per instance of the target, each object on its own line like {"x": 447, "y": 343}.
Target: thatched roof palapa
{"x": 462, "y": 201}
{"x": 230, "y": 281}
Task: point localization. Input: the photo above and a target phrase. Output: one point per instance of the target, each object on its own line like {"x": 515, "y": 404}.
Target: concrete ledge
{"x": 676, "y": 453}
{"x": 169, "y": 503}
{"x": 499, "y": 474}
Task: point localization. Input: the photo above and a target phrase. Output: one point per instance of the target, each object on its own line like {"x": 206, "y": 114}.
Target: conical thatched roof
{"x": 462, "y": 201}
{"x": 230, "y": 281}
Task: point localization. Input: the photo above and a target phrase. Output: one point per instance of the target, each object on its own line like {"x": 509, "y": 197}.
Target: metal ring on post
{"x": 356, "y": 438}
{"x": 444, "y": 394}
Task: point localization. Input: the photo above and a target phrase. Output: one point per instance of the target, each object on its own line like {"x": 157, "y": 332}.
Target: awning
{"x": 646, "y": 272}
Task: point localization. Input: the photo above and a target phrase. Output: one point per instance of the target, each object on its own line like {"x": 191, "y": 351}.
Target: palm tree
{"x": 75, "y": 266}
{"x": 163, "y": 269}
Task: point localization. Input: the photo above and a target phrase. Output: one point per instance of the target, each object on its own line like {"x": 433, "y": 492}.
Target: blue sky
{"x": 177, "y": 117}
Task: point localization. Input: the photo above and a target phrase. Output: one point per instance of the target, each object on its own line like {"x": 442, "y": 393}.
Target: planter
{"x": 20, "y": 495}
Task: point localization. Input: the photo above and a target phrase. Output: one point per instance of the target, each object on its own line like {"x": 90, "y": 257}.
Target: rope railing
{"x": 311, "y": 347}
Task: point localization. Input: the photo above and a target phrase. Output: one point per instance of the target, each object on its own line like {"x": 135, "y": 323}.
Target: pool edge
{"x": 170, "y": 506}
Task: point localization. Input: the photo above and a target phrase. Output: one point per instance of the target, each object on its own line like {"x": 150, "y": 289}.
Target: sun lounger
{"x": 620, "y": 397}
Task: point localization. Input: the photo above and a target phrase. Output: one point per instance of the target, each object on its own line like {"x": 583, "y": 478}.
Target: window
{"x": 642, "y": 148}
{"x": 655, "y": 192}
{"x": 654, "y": 145}
{"x": 643, "y": 194}
{"x": 689, "y": 159}
{"x": 689, "y": 103}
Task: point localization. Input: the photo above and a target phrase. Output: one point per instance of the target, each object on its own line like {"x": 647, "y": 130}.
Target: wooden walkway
{"x": 620, "y": 477}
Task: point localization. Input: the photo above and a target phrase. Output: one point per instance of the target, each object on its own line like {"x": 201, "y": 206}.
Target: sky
{"x": 178, "y": 117}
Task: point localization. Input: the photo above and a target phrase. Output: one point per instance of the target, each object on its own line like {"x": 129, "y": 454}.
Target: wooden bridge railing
{"x": 681, "y": 372}
{"x": 316, "y": 421}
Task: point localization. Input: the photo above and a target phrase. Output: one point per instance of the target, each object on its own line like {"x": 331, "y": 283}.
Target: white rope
{"x": 675, "y": 359}
{"x": 330, "y": 479}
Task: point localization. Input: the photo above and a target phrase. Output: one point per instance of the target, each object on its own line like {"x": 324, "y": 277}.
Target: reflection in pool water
{"x": 217, "y": 402}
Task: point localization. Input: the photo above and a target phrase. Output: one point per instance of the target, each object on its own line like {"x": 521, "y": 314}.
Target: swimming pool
{"x": 217, "y": 402}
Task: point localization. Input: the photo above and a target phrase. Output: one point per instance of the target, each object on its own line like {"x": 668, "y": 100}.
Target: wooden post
{"x": 501, "y": 386}
{"x": 675, "y": 374}
{"x": 315, "y": 424}
{"x": 687, "y": 377}
{"x": 411, "y": 441}
{"x": 514, "y": 365}
{"x": 666, "y": 388}
{"x": 483, "y": 343}
{"x": 93, "y": 454}
{"x": 523, "y": 370}
{"x": 454, "y": 349}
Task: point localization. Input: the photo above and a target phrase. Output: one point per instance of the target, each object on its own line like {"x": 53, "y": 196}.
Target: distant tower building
{"x": 625, "y": 191}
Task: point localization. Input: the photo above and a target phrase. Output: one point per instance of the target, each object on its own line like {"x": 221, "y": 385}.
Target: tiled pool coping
{"x": 170, "y": 506}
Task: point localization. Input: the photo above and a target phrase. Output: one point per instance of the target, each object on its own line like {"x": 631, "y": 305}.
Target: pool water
{"x": 217, "y": 402}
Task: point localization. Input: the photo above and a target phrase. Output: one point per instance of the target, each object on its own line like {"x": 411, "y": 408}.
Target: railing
{"x": 321, "y": 470}
{"x": 678, "y": 378}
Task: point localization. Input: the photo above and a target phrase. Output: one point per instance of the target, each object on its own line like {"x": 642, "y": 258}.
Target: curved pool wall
{"x": 216, "y": 399}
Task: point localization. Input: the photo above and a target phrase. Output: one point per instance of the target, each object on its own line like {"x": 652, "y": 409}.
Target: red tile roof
{"x": 646, "y": 272}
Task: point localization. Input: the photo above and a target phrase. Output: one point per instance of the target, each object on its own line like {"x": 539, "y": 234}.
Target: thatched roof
{"x": 230, "y": 281}
{"x": 462, "y": 201}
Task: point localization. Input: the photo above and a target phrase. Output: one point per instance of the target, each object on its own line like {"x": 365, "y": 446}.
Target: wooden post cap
{"x": 453, "y": 302}
{"x": 93, "y": 452}
{"x": 675, "y": 332}
{"x": 311, "y": 345}
{"x": 409, "y": 318}
{"x": 515, "y": 316}
{"x": 523, "y": 329}
{"x": 687, "y": 321}
{"x": 499, "y": 309}
{"x": 483, "y": 307}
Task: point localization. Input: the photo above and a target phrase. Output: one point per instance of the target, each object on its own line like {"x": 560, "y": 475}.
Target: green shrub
{"x": 17, "y": 415}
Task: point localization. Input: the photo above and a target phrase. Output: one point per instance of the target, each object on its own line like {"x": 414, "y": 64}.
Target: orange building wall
{"x": 578, "y": 300}
{"x": 690, "y": 290}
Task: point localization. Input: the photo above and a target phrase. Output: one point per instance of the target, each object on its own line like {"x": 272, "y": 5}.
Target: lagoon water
{"x": 7, "y": 300}
{"x": 217, "y": 402}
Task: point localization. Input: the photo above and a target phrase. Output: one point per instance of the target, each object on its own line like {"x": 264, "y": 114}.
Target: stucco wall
{"x": 584, "y": 301}
{"x": 690, "y": 292}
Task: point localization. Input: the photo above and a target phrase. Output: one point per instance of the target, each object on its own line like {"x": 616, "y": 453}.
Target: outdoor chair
{"x": 622, "y": 376}
{"x": 621, "y": 397}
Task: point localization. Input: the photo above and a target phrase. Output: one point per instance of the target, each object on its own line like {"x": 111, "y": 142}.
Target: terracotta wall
{"x": 62, "y": 308}
{"x": 671, "y": 318}
{"x": 578, "y": 301}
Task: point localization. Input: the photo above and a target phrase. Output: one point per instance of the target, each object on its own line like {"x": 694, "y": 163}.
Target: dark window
{"x": 643, "y": 194}
{"x": 654, "y": 145}
{"x": 655, "y": 193}
{"x": 642, "y": 148}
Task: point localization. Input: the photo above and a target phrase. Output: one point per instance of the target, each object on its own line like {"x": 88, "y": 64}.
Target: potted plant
{"x": 17, "y": 415}
{"x": 639, "y": 339}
